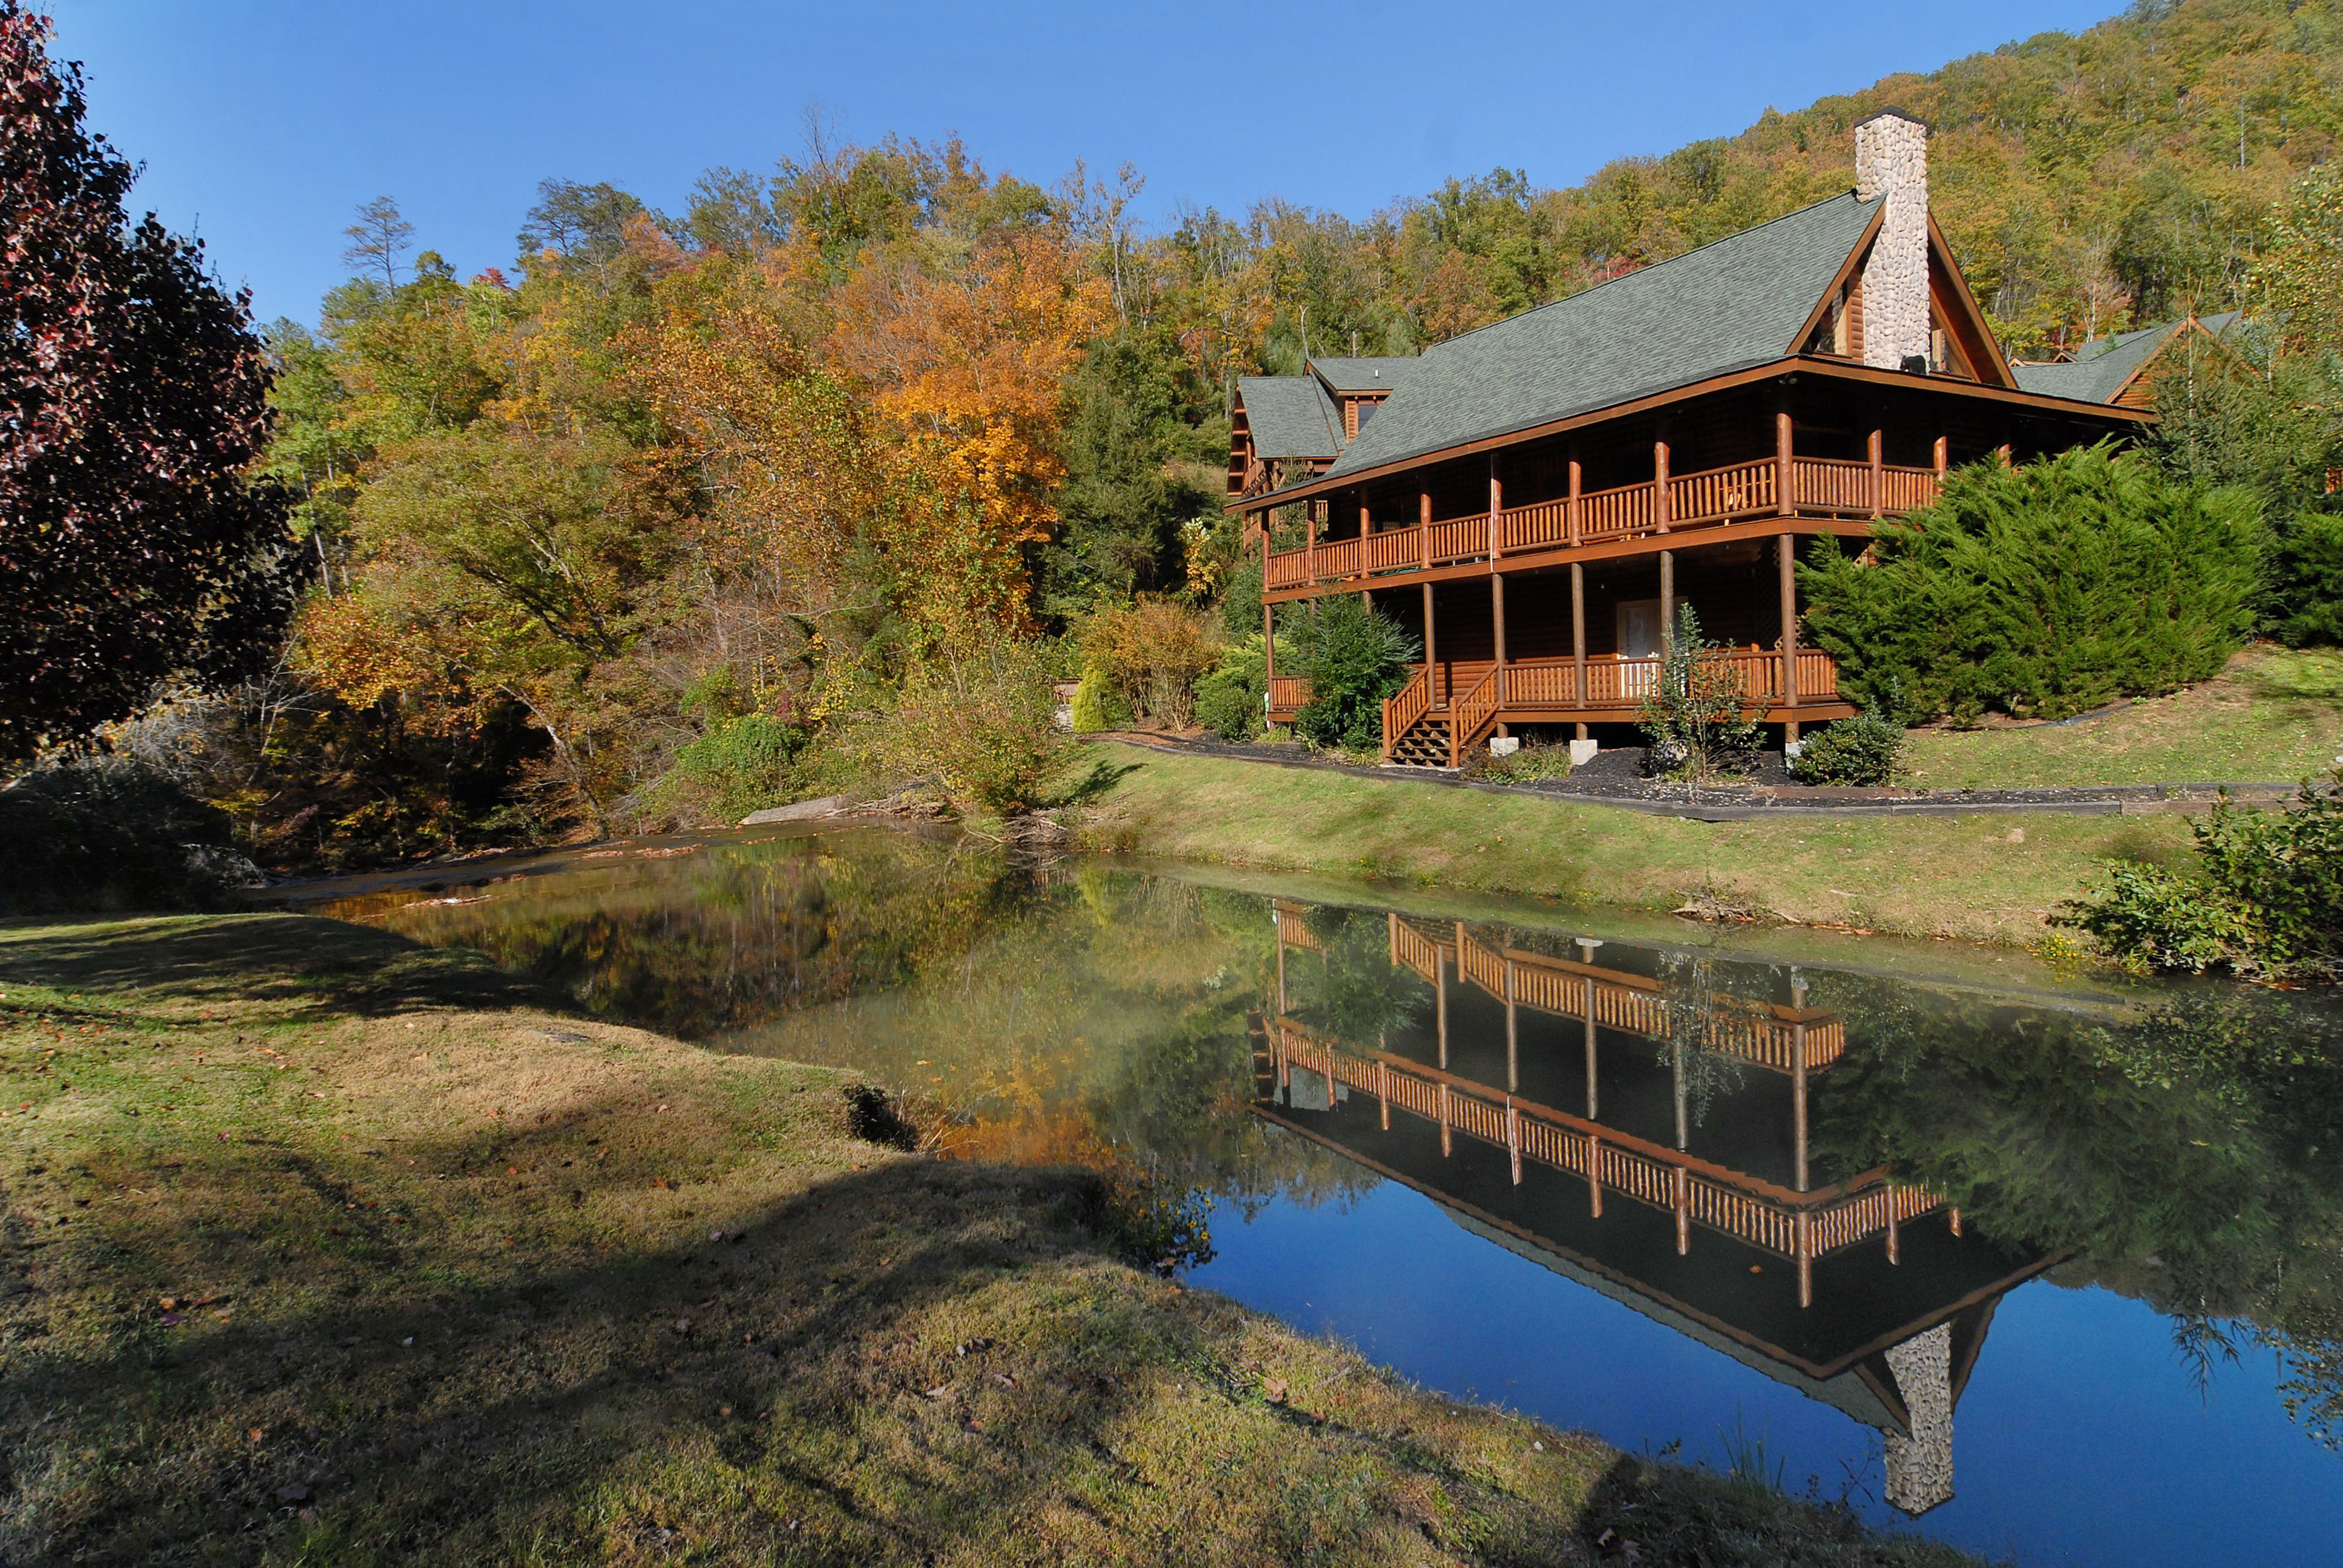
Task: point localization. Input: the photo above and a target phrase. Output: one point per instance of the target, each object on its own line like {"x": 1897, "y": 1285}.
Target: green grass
{"x": 2274, "y": 715}
{"x": 321, "y": 1247}
{"x": 1988, "y": 878}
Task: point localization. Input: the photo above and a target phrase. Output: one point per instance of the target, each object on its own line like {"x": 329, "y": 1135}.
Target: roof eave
{"x": 1795, "y": 364}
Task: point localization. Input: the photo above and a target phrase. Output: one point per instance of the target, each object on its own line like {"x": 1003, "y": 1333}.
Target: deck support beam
{"x": 1573, "y": 504}
{"x": 1497, "y": 623}
{"x": 1431, "y": 655}
{"x": 1787, "y": 548}
{"x": 1667, "y": 602}
{"x": 1878, "y": 473}
{"x": 1660, "y": 487}
{"x": 1497, "y": 512}
{"x": 1578, "y": 632}
{"x": 1423, "y": 532}
{"x": 1785, "y": 475}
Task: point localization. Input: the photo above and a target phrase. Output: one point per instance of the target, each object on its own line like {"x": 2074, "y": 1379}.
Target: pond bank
{"x": 1991, "y": 877}
{"x": 327, "y": 1246}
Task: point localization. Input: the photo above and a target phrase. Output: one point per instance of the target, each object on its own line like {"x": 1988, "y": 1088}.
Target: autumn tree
{"x": 132, "y": 547}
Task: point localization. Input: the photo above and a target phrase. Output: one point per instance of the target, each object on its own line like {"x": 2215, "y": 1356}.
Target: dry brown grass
{"x": 451, "y": 1278}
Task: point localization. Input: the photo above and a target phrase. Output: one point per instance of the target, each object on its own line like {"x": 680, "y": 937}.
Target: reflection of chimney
{"x": 1891, "y": 157}
{"x": 1920, "y": 1467}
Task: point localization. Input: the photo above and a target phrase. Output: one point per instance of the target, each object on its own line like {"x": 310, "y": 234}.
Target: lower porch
{"x": 1583, "y": 645}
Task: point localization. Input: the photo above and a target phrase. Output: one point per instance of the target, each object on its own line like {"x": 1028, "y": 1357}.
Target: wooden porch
{"x": 1778, "y": 488}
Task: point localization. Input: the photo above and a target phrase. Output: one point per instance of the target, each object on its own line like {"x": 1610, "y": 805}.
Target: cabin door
{"x": 1639, "y": 629}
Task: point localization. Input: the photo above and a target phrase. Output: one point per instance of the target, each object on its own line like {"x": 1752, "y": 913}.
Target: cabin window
{"x": 1366, "y": 412}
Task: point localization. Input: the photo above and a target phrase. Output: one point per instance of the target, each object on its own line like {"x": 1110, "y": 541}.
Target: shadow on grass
{"x": 320, "y": 967}
{"x": 1101, "y": 779}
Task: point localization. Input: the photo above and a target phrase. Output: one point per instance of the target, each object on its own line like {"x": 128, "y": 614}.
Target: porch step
{"x": 1424, "y": 743}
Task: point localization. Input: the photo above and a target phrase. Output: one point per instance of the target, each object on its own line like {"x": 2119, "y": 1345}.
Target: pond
{"x": 2044, "y": 1265}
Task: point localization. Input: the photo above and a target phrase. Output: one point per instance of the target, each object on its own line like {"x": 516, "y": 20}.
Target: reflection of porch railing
{"x": 1800, "y": 1226}
{"x": 1818, "y": 486}
{"x": 1762, "y": 1034}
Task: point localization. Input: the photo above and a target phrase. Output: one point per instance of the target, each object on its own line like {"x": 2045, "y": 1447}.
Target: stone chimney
{"x": 1891, "y": 157}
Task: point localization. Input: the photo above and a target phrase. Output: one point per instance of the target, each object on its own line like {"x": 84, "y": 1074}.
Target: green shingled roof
{"x": 2098, "y": 369}
{"x": 1291, "y": 417}
{"x": 1725, "y": 306}
{"x": 1364, "y": 375}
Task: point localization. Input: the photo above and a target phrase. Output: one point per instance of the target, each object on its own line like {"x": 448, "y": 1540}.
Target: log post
{"x": 1660, "y": 485}
{"x": 1571, "y": 505}
{"x": 1512, "y": 1036}
{"x": 1310, "y": 546}
{"x": 1787, "y": 549}
{"x": 1667, "y": 600}
{"x": 1496, "y": 511}
{"x": 1942, "y": 452}
{"x": 1431, "y": 658}
{"x": 1497, "y": 623}
{"x": 1578, "y": 631}
{"x": 1786, "y": 483}
{"x": 1424, "y": 526}
{"x": 1269, "y": 642}
{"x": 1798, "y": 1101}
{"x": 1878, "y": 475}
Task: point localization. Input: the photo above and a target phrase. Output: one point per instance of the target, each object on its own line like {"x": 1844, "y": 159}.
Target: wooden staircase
{"x": 1418, "y": 735}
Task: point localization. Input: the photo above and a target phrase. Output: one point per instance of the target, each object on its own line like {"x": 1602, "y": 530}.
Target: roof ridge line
{"x": 1653, "y": 266}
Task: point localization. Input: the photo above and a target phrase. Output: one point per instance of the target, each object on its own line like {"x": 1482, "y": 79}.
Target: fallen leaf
{"x": 1273, "y": 1390}
{"x": 939, "y": 1391}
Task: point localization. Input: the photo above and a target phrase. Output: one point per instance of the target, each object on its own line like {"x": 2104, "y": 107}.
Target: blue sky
{"x": 262, "y": 123}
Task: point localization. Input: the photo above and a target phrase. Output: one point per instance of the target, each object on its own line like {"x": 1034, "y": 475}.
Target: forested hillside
{"x": 673, "y": 501}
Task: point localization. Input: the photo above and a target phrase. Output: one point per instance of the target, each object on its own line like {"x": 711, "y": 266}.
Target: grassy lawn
{"x": 1989, "y": 878}
{"x": 2273, "y": 715}
{"x": 320, "y": 1247}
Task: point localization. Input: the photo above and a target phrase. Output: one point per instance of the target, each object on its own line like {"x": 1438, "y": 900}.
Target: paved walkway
{"x": 1748, "y": 802}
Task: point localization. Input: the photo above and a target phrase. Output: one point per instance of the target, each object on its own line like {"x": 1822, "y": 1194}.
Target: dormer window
{"x": 1366, "y": 412}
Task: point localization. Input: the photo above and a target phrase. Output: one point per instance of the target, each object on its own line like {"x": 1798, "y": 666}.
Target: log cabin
{"x": 1532, "y": 500}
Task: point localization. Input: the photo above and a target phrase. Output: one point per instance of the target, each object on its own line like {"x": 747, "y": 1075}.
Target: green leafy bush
{"x": 1354, "y": 658}
{"x": 1151, "y": 651}
{"x": 1526, "y": 764}
{"x": 742, "y": 765}
{"x": 101, "y": 833}
{"x": 1865, "y": 750}
{"x": 1231, "y": 701}
{"x": 1098, "y": 706}
{"x": 982, "y": 720}
{"x": 2042, "y": 591}
{"x": 2267, "y": 898}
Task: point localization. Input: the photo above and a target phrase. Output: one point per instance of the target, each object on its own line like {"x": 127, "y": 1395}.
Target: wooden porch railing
{"x": 1614, "y": 682}
{"x": 1475, "y": 713}
{"x": 1288, "y": 693}
{"x": 1737, "y": 492}
{"x": 1403, "y": 708}
{"x": 1802, "y": 1226}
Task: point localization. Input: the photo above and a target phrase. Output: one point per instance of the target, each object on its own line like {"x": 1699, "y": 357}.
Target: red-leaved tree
{"x": 133, "y": 547}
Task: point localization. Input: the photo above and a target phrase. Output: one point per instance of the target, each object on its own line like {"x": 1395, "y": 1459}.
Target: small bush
{"x": 1524, "y": 764}
{"x": 1232, "y": 702}
{"x": 2306, "y": 581}
{"x": 1354, "y": 658}
{"x": 1866, "y": 749}
{"x": 981, "y": 718}
{"x": 742, "y": 765}
{"x": 2267, "y": 898}
{"x": 874, "y": 1116}
{"x": 1153, "y": 652}
{"x": 1691, "y": 714}
{"x": 1098, "y": 706}
{"x": 101, "y": 833}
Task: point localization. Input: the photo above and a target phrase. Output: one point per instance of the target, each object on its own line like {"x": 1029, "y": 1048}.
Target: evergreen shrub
{"x": 1098, "y": 706}
{"x": 1865, "y": 750}
{"x": 1354, "y": 658}
{"x": 104, "y": 833}
{"x": 2041, "y": 591}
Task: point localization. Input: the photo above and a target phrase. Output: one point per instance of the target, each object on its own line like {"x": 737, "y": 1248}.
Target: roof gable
{"x": 1289, "y": 417}
{"x": 1739, "y": 302}
{"x": 2100, "y": 370}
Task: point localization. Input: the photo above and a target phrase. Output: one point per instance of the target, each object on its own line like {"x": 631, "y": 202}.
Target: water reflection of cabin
{"x": 1532, "y": 498}
{"x": 1890, "y": 1301}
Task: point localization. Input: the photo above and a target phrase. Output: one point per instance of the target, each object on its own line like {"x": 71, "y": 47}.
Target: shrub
{"x": 743, "y": 764}
{"x": 1232, "y": 702}
{"x": 1098, "y": 706}
{"x": 1153, "y": 651}
{"x": 2267, "y": 897}
{"x": 1524, "y": 764}
{"x": 2306, "y": 581}
{"x": 102, "y": 833}
{"x": 1865, "y": 750}
{"x": 1354, "y": 658}
{"x": 1692, "y": 713}
{"x": 981, "y": 720}
{"x": 2044, "y": 590}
